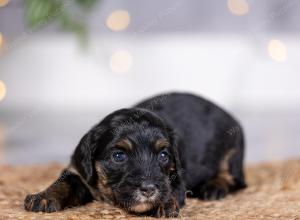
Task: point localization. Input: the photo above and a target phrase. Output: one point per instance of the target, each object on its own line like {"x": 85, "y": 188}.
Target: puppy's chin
{"x": 144, "y": 204}
{"x": 141, "y": 207}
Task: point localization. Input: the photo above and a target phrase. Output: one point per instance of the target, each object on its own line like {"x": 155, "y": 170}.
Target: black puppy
{"x": 144, "y": 159}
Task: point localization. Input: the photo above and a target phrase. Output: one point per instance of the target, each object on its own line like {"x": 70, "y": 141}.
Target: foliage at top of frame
{"x": 69, "y": 15}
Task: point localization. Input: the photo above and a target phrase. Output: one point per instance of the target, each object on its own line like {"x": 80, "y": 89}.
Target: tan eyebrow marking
{"x": 125, "y": 144}
{"x": 161, "y": 143}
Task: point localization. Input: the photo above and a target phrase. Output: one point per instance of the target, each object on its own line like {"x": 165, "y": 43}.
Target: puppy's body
{"x": 208, "y": 136}
{"x": 146, "y": 158}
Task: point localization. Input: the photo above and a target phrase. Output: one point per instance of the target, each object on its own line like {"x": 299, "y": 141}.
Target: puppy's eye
{"x": 118, "y": 156}
{"x": 163, "y": 157}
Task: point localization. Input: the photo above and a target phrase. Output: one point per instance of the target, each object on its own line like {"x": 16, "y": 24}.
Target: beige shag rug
{"x": 273, "y": 193}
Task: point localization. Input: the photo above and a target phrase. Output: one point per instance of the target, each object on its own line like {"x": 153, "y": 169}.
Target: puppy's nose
{"x": 147, "y": 190}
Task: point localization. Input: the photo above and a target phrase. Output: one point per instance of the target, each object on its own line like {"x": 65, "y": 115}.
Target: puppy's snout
{"x": 148, "y": 189}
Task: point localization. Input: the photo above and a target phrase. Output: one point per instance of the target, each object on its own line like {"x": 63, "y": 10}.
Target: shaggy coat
{"x": 148, "y": 158}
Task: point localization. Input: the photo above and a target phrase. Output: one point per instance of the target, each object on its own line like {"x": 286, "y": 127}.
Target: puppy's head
{"x": 133, "y": 161}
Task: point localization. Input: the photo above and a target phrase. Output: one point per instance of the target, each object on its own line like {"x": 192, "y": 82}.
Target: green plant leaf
{"x": 43, "y": 12}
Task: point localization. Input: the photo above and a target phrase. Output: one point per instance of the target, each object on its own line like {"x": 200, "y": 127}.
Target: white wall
{"x": 233, "y": 70}
{"x": 56, "y": 91}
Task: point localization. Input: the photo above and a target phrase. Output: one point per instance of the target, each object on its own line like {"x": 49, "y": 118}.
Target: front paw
{"x": 168, "y": 210}
{"x": 41, "y": 203}
{"x": 212, "y": 191}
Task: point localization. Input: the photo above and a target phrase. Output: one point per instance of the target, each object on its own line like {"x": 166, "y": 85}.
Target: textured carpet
{"x": 273, "y": 193}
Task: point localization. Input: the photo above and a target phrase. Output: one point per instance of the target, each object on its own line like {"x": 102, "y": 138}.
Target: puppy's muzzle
{"x": 147, "y": 196}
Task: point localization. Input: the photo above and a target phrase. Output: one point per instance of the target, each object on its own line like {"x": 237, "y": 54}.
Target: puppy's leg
{"x": 230, "y": 176}
{"x": 67, "y": 191}
{"x": 236, "y": 167}
{"x": 170, "y": 209}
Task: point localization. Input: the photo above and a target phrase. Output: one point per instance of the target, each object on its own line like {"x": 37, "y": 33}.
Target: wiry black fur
{"x": 200, "y": 136}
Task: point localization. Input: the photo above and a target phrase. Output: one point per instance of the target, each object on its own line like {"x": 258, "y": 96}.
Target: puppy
{"x": 145, "y": 159}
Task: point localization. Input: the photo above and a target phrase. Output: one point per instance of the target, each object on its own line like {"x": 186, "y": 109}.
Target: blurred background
{"x": 64, "y": 65}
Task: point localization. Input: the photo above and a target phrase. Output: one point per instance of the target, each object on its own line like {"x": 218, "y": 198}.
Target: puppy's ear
{"x": 175, "y": 148}
{"x": 83, "y": 157}
{"x": 176, "y": 176}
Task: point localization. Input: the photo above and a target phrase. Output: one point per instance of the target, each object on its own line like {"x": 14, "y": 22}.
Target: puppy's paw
{"x": 41, "y": 203}
{"x": 213, "y": 191}
{"x": 168, "y": 210}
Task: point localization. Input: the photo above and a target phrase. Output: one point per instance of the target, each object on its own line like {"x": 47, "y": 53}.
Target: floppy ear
{"x": 83, "y": 158}
{"x": 176, "y": 176}
{"x": 177, "y": 173}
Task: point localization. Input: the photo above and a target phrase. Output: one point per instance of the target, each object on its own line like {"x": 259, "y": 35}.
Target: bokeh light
{"x": 277, "y": 50}
{"x": 3, "y": 3}
{"x": 1, "y": 40}
{"x": 238, "y": 7}
{"x": 2, "y": 90}
{"x": 121, "y": 61}
{"x": 118, "y": 20}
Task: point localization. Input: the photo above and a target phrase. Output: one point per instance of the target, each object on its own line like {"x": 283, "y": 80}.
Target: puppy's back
{"x": 206, "y": 133}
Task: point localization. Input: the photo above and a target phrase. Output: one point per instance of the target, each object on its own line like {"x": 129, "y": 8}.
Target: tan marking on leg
{"x": 224, "y": 176}
{"x": 94, "y": 192}
{"x": 105, "y": 191}
{"x": 30, "y": 204}
{"x": 160, "y": 211}
{"x": 173, "y": 209}
{"x": 44, "y": 203}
